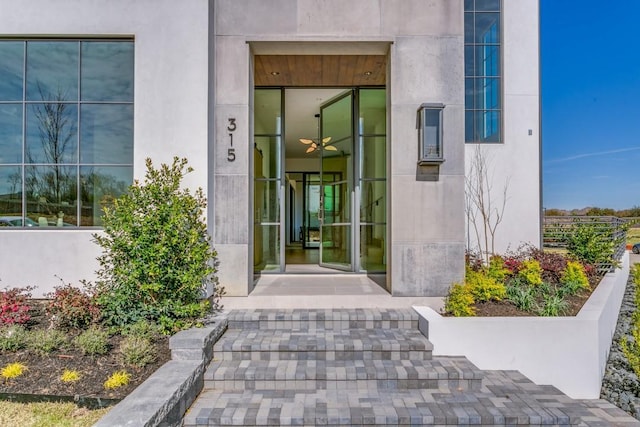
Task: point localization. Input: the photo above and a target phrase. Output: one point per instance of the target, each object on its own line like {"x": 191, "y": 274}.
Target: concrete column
{"x": 232, "y": 160}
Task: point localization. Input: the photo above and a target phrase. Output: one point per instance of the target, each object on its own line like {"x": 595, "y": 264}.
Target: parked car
{"x": 16, "y": 221}
{"x": 636, "y": 248}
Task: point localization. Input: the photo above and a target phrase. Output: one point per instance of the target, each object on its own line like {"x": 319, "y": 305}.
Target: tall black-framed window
{"x": 66, "y": 129}
{"x": 483, "y": 70}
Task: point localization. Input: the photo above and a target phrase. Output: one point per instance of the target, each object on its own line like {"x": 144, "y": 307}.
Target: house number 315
{"x": 231, "y": 152}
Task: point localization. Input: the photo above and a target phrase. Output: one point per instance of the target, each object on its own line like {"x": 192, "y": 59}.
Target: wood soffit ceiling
{"x": 320, "y": 70}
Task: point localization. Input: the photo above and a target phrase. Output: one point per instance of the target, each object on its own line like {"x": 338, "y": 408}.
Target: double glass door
{"x": 347, "y": 222}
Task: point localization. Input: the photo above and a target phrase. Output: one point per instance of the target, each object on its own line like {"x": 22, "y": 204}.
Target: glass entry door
{"x": 336, "y": 176}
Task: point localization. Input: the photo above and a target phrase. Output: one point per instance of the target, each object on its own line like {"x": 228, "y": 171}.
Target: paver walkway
{"x": 366, "y": 367}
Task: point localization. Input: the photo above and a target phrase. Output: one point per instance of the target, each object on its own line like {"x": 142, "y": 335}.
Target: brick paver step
{"x": 366, "y": 367}
{"x": 334, "y": 319}
{"x": 354, "y": 344}
{"x": 454, "y": 373}
{"x": 521, "y": 404}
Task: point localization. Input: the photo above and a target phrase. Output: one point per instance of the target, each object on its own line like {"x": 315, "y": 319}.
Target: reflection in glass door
{"x": 267, "y": 188}
{"x": 311, "y": 207}
{"x": 336, "y": 172}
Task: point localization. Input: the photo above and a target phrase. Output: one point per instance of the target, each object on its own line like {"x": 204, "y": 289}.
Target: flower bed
{"x": 528, "y": 282}
{"x": 60, "y": 369}
{"x": 567, "y": 352}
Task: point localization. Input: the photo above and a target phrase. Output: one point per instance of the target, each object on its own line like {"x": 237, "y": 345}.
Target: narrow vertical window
{"x": 483, "y": 71}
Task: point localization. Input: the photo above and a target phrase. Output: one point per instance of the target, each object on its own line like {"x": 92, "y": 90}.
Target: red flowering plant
{"x": 553, "y": 264}
{"x": 71, "y": 307}
{"x": 512, "y": 264}
{"x": 14, "y": 308}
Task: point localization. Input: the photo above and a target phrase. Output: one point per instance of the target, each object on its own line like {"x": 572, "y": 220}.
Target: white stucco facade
{"x": 194, "y": 71}
{"x": 171, "y": 76}
{"x": 517, "y": 161}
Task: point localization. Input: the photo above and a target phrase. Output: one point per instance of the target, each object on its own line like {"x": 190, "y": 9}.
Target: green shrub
{"x": 12, "y": 338}
{"x": 531, "y": 272}
{"x": 45, "y": 341}
{"x": 497, "y": 270}
{"x": 93, "y": 341}
{"x": 484, "y": 288}
{"x": 157, "y": 256}
{"x": 137, "y": 352}
{"x": 635, "y": 273}
{"x": 574, "y": 278}
{"x": 142, "y": 329}
{"x": 460, "y": 301}
{"x": 631, "y": 352}
{"x": 589, "y": 244}
{"x": 70, "y": 307}
{"x": 631, "y": 348}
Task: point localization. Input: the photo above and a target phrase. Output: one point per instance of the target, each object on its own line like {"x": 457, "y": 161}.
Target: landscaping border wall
{"x": 164, "y": 397}
{"x": 569, "y": 353}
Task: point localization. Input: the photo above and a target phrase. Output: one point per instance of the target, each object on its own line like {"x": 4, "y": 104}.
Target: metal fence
{"x": 557, "y": 228}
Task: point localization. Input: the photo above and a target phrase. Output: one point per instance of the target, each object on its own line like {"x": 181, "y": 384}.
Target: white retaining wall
{"x": 569, "y": 353}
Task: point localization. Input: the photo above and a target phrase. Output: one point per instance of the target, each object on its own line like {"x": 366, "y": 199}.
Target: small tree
{"x": 592, "y": 244}
{"x": 484, "y": 212}
{"x": 157, "y": 256}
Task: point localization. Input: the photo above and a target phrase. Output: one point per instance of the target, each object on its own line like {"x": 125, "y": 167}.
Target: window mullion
{"x": 23, "y": 169}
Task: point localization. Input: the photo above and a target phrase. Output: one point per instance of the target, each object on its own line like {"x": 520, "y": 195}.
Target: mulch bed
{"x": 507, "y": 309}
{"x": 43, "y": 374}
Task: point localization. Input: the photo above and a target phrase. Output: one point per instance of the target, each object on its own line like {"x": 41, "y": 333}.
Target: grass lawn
{"x": 633, "y": 235}
{"x": 561, "y": 251}
{"x": 46, "y": 414}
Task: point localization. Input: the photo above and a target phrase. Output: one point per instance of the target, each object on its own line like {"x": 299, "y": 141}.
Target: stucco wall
{"x": 517, "y": 160}
{"x": 193, "y": 71}
{"x": 170, "y": 110}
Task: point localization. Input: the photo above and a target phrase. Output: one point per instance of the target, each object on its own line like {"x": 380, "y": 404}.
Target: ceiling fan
{"x": 313, "y": 145}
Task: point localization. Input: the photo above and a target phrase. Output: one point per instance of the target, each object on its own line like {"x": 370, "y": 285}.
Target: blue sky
{"x": 590, "y": 53}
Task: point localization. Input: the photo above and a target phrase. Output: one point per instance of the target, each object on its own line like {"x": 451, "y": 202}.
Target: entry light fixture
{"x": 429, "y": 123}
{"x": 275, "y": 73}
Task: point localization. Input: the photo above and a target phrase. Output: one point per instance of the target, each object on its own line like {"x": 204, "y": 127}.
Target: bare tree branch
{"x": 482, "y": 214}
{"x": 56, "y": 131}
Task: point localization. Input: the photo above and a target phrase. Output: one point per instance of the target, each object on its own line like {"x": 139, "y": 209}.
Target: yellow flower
{"x": 70, "y": 376}
{"x": 13, "y": 370}
{"x": 118, "y": 379}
